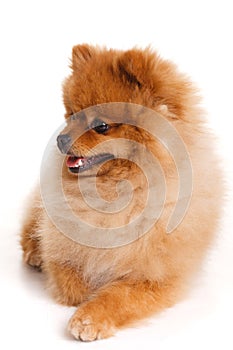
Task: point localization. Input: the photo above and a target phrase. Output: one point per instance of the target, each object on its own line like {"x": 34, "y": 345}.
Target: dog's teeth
{"x": 79, "y": 163}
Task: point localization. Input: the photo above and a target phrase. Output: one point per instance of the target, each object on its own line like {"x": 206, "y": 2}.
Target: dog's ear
{"x": 136, "y": 66}
{"x": 80, "y": 55}
{"x": 168, "y": 88}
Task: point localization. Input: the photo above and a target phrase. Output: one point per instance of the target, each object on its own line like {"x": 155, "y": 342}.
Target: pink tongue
{"x": 74, "y": 161}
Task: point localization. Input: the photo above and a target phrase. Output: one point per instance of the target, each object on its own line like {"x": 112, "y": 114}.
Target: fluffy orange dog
{"x": 114, "y": 287}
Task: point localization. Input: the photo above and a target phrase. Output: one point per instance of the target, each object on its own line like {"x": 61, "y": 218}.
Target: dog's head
{"x": 103, "y": 76}
{"x": 92, "y": 137}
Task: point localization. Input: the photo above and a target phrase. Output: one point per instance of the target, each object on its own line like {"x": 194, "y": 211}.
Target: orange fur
{"x": 67, "y": 286}
{"x": 116, "y": 287}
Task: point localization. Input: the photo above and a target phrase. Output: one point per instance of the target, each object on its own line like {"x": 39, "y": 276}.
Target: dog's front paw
{"x": 32, "y": 257}
{"x": 89, "y": 324}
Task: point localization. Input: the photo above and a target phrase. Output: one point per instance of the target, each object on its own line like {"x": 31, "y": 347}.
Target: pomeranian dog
{"x": 115, "y": 286}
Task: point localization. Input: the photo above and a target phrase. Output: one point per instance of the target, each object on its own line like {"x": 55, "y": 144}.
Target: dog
{"x": 114, "y": 287}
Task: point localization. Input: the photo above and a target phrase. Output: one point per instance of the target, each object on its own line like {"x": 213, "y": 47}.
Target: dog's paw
{"x": 32, "y": 257}
{"x": 88, "y": 325}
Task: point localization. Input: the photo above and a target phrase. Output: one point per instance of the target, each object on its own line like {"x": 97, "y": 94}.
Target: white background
{"x": 36, "y": 42}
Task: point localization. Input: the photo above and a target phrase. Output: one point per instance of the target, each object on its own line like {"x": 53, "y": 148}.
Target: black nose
{"x": 64, "y": 142}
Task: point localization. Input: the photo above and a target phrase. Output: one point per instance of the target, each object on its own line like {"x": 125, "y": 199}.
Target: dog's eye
{"x": 99, "y": 126}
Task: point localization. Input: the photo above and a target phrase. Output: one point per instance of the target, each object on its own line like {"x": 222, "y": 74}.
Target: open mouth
{"x": 80, "y": 164}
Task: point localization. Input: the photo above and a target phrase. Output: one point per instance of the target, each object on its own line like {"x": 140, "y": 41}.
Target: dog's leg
{"x": 65, "y": 283}
{"x": 30, "y": 240}
{"x": 118, "y": 305}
